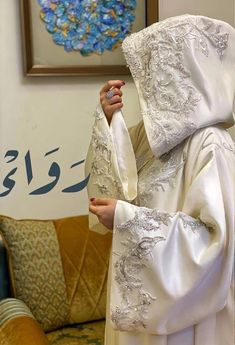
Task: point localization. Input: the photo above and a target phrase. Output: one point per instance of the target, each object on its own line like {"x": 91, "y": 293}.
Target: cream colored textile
{"x": 183, "y": 70}
{"x": 170, "y": 278}
{"x": 110, "y": 174}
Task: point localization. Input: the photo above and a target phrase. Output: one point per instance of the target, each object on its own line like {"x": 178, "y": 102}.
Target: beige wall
{"x": 223, "y": 10}
{"x": 41, "y": 114}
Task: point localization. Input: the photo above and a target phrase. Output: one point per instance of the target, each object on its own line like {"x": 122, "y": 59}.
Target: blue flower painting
{"x": 88, "y": 26}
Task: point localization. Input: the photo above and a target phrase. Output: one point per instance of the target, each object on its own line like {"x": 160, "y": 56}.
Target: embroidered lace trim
{"x": 137, "y": 248}
{"x": 101, "y": 169}
{"x": 161, "y": 172}
{"x": 193, "y": 224}
{"x": 156, "y": 59}
{"x": 139, "y": 241}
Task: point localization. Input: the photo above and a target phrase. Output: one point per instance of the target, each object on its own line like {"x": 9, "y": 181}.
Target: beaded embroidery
{"x": 101, "y": 168}
{"x": 156, "y": 59}
{"x": 192, "y": 224}
{"x": 161, "y": 172}
{"x": 138, "y": 246}
{"x": 131, "y": 314}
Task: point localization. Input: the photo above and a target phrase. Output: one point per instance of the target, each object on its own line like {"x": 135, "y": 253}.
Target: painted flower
{"x": 88, "y": 26}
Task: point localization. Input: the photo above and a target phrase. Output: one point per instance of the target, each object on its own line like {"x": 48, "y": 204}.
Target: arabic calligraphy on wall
{"x": 54, "y": 173}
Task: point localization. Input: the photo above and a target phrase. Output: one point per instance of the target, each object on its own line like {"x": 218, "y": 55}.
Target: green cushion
{"x": 91, "y": 333}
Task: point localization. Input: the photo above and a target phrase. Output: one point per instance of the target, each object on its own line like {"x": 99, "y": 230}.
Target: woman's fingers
{"x": 111, "y": 97}
{"x": 115, "y": 99}
{"x": 112, "y": 108}
{"x": 112, "y": 84}
{"x": 93, "y": 209}
{"x": 100, "y": 201}
{"x": 115, "y": 92}
{"x": 104, "y": 209}
{"x": 97, "y": 211}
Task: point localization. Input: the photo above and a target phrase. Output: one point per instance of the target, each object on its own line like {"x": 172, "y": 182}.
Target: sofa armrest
{"x": 4, "y": 275}
{"x": 18, "y": 326}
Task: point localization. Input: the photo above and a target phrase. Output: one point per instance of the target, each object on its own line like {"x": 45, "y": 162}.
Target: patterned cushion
{"x": 84, "y": 334}
{"x": 58, "y": 268}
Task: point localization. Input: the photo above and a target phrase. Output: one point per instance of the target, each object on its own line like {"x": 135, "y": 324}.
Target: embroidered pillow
{"x": 58, "y": 268}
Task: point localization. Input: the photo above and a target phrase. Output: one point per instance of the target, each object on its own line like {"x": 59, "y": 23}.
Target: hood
{"x": 184, "y": 71}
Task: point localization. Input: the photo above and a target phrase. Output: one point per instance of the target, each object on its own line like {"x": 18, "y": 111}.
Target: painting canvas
{"x": 80, "y": 37}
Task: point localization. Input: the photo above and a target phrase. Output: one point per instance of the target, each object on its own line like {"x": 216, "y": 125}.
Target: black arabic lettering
{"x": 78, "y": 186}
{"x": 28, "y": 166}
{"x": 54, "y": 171}
{"x": 11, "y": 153}
{"x": 8, "y": 182}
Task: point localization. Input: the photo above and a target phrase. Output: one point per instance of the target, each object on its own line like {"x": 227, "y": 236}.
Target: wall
{"x": 211, "y": 8}
{"x": 38, "y": 115}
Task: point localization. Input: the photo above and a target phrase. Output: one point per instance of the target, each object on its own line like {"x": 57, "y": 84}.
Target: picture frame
{"x": 34, "y": 35}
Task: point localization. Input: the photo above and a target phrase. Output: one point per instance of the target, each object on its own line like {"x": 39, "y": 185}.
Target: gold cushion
{"x": 22, "y": 330}
{"x": 58, "y": 268}
{"x": 85, "y": 256}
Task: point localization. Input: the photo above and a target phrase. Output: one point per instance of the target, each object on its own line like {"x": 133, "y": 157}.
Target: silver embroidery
{"x": 193, "y": 224}
{"x": 101, "y": 168}
{"x": 132, "y": 313}
{"x": 145, "y": 220}
{"x": 161, "y": 172}
{"x": 137, "y": 249}
{"x": 98, "y": 114}
{"x": 224, "y": 145}
{"x": 157, "y": 61}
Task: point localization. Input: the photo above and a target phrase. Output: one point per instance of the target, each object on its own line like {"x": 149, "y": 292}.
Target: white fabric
{"x": 183, "y": 68}
{"x": 171, "y": 266}
{"x": 125, "y": 156}
{"x": 112, "y": 156}
{"x": 188, "y": 272}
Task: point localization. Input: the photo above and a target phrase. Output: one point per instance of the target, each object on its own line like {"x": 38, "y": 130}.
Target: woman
{"x": 171, "y": 212}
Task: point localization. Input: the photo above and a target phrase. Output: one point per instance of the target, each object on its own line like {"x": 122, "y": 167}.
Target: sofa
{"x": 53, "y": 282}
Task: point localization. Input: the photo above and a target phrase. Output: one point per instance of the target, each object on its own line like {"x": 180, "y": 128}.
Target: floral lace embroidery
{"x": 157, "y": 61}
{"x": 137, "y": 248}
{"x": 101, "y": 169}
{"x": 138, "y": 245}
{"x": 192, "y": 224}
{"x": 98, "y": 114}
{"x": 161, "y": 172}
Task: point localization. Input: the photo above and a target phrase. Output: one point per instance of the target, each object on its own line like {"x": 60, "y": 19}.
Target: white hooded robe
{"x": 171, "y": 266}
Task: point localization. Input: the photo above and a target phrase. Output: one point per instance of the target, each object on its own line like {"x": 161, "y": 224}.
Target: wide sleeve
{"x": 110, "y": 163}
{"x": 172, "y": 270}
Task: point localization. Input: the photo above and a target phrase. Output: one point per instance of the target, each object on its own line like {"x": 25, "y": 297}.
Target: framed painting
{"x": 80, "y": 37}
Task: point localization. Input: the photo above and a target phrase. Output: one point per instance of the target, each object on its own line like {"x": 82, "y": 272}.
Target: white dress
{"x": 171, "y": 267}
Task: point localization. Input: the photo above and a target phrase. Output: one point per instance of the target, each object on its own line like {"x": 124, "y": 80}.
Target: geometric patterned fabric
{"x": 36, "y": 269}
{"x": 58, "y": 268}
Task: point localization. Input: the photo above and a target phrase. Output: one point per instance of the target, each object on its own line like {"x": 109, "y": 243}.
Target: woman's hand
{"x": 104, "y": 209}
{"x": 111, "y": 97}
